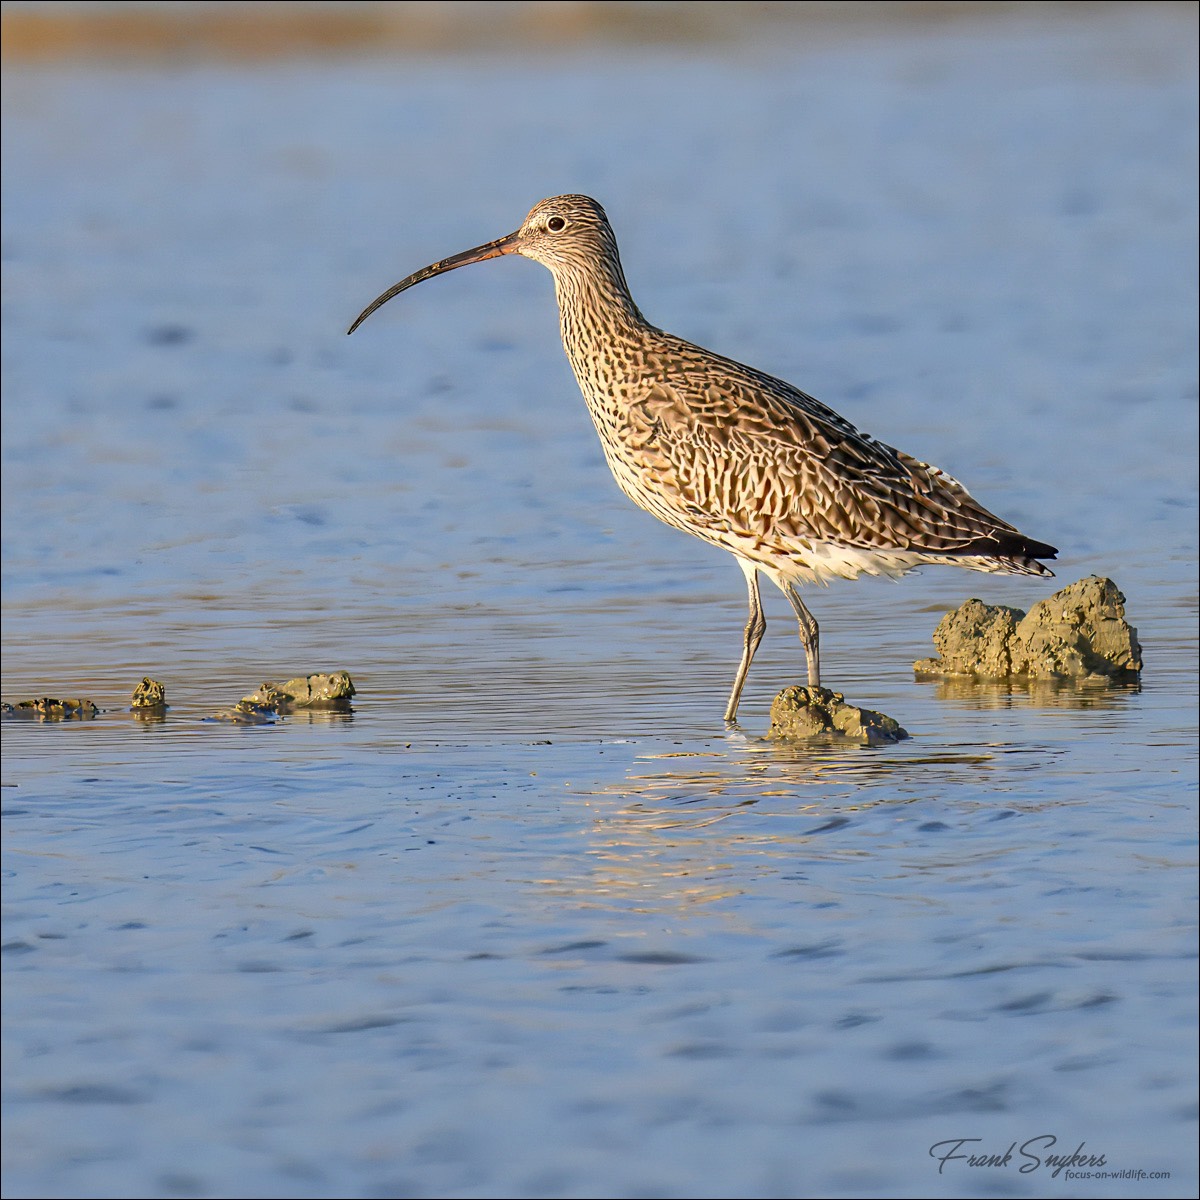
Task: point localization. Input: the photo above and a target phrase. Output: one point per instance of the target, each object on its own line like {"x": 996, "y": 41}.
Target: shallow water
{"x": 531, "y": 921}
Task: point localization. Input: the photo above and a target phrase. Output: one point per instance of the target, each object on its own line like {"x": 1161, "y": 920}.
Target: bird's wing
{"x": 753, "y": 456}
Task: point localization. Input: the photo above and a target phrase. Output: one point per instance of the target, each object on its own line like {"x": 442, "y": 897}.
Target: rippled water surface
{"x": 530, "y": 921}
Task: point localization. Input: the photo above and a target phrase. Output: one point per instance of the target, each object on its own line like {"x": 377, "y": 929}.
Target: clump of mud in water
{"x": 803, "y": 712}
{"x": 332, "y": 691}
{"x": 1080, "y": 632}
{"x": 149, "y": 694}
{"x": 47, "y": 708}
{"x": 325, "y": 692}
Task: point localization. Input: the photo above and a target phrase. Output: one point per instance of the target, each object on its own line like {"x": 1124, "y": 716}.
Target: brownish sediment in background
{"x": 46, "y": 32}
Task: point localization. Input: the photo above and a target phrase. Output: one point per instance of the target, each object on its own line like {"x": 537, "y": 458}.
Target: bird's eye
{"x": 556, "y": 224}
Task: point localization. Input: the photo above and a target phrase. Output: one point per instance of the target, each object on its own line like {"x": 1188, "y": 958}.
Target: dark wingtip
{"x": 1009, "y": 545}
{"x": 1034, "y": 549}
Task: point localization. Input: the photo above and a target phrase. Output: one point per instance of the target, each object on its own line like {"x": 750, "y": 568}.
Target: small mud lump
{"x": 47, "y": 708}
{"x": 149, "y": 694}
{"x": 332, "y": 691}
{"x": 801, "y": 712}
{"x": 328, "y": 692}
{"x": 1077, "y": 633}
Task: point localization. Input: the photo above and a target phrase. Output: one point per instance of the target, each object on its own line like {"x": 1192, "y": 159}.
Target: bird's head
{"x": 563, "y": 233}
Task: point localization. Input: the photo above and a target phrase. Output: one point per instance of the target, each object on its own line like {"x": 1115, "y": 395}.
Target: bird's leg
{"x": 809, "y": 633}
{"x": 756, "y": 624}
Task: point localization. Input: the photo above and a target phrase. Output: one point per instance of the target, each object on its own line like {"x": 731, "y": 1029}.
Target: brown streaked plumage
{"x": 735, "y": 456}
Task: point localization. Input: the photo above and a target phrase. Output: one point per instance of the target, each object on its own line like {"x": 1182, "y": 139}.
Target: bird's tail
{"x": 1007, "y": 554}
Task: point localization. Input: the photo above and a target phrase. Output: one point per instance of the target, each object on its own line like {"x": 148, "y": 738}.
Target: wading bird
{"x": 736, "y": 457}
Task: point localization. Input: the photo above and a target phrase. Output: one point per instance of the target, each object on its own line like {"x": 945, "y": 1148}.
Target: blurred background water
{"x": 531, "y": 921}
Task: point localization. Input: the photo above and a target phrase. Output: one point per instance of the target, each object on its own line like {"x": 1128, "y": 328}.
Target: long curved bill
{"x": 504, "y": 245}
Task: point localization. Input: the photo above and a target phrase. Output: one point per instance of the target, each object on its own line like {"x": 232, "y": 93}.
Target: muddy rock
{"x": 149, "y": 694}
{"x": 975, "y": 639}
{"x": 245, "y": 712}
{"x": 332, "y": 691}
{"x": 1079, "y": 632}
{"x": 46, "y": 708}
{"x": 802, "y": 712}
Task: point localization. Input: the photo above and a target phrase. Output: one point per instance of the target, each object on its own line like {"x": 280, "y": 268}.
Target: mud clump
{"x": 804, "y": 712}
{"x": 332, "y": 691}
{"x": 149, "y": 695}
{"x": 1079, "y": 632}
{"x": 328, "y": 693}
{"x": 47, "y": 708}
{"x": 245, "y": 712}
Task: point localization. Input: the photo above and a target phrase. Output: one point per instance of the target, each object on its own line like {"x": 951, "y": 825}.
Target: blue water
{"x": 531, "y": 921}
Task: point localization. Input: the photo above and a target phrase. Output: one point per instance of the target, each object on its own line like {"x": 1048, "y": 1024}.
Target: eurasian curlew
{"x": 736, "y": 457}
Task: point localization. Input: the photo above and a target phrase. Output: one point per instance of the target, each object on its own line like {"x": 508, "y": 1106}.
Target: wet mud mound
{"x": 1078, "y": 633}
{"x": 326, "y": 692}
{"x": 805, "y": 712}
{"x": 48, "y": 708}
{"x": 330, "y": 692}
